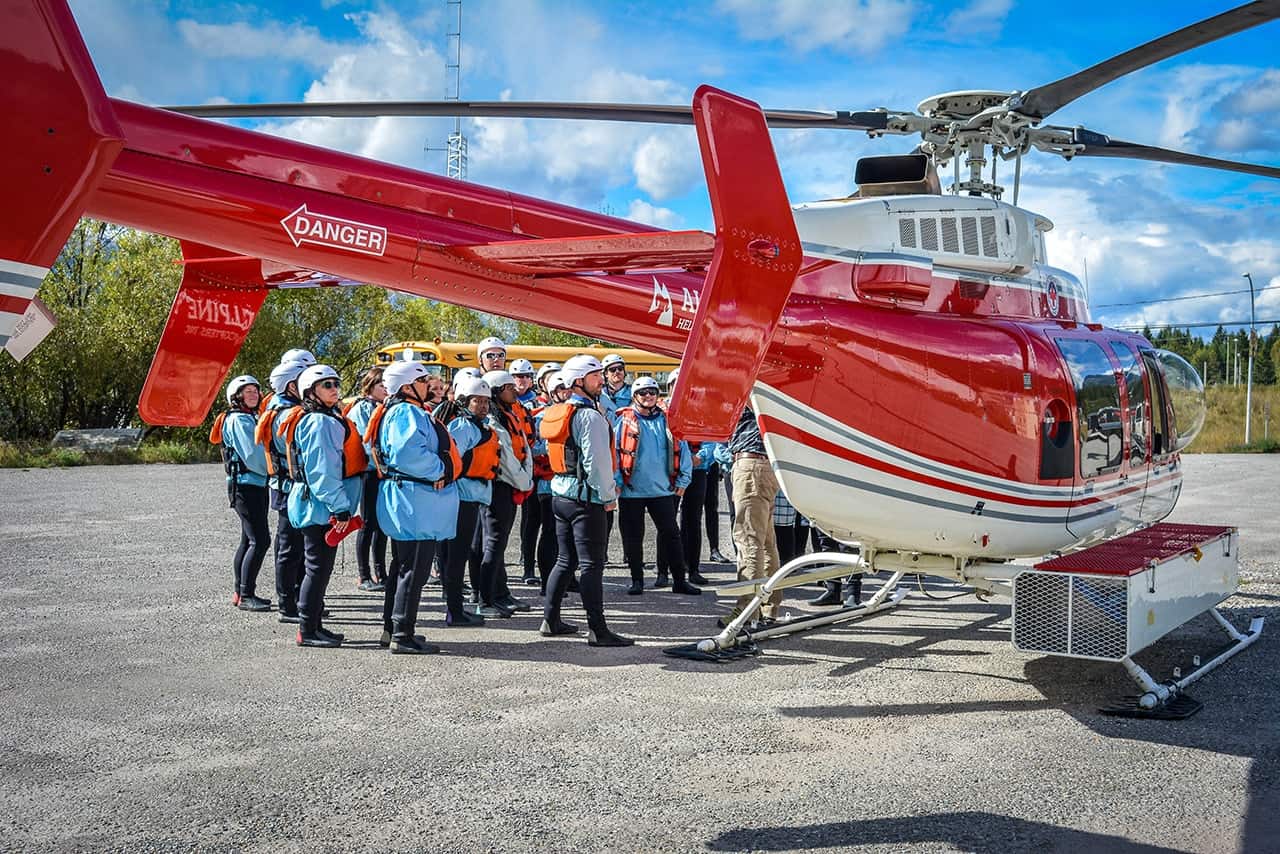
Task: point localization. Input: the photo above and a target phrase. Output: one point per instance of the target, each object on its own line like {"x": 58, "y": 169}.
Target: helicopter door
{"x": 1137, "y": 424}
{"x": 1100, "y": 437}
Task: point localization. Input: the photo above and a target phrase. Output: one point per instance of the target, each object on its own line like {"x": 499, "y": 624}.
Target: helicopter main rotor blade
{"x": 672, "y": 114}
{"x": 1043, "y": 100}
{"x": 1100, "y": 145}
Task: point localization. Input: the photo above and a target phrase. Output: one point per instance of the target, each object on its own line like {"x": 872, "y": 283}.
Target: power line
{"x": 1189, "y": 296}
{"x": 1223, "y": 323}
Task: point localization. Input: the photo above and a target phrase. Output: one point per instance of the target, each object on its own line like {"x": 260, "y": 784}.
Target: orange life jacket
{"x": 629, "y": 444}
{"x": 277, "y": 465}
{"x": 265, "y": 402}
{"x": 354, "y": 459}
{"x": 483, "y": 461}
{"x": 446, "y": 448}
{"x": 522, "y": 435}
{"x": 556, "y": 429}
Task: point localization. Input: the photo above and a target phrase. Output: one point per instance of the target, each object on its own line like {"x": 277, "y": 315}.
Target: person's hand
{"x": 340, "y": 525}
{"x": 439, "y": 484}
{"x": 680, "y": 491}
{"x": 611, "y": 506}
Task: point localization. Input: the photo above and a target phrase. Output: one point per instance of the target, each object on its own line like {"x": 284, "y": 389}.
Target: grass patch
{"x": 1223, "y": 431}
{"x": 35, "y": 455}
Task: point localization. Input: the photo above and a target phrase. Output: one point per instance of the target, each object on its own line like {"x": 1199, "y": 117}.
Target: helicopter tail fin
{"x": 756, "y": 258}
{"x": 61, "y": 137}
{"x": 212, "y": 313}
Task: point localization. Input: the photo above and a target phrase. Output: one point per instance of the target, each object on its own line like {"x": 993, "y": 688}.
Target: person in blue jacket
{"x": 246, "y": 465}
{"x": 616, "y": 393}
{"x": 370, "y": 540}
{"x": 288, "y": 542}
{"x": 324, "y": 493}
{"x": 417, "y": 499}
{"x": 581, "y": 495}
{"x": 557, "y": 391}
{"x": 477, "y": 446}
{"x": 653, "y": 466}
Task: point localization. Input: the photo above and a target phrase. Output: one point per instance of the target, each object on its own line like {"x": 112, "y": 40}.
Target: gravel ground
{"x": 141, "y": 712}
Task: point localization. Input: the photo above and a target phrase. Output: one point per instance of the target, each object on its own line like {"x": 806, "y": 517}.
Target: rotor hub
{"x": 964, "y": 104}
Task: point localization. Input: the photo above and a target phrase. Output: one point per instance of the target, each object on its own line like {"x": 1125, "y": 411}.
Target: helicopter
{"x": 928, "y": 385}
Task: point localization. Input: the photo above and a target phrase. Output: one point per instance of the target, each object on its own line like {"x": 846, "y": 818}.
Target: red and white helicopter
{"x": 927, "y": 384}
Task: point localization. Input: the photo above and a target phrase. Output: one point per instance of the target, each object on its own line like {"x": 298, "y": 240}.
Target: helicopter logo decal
{"x": 1051, "y": 296}
{"x": 660, "y": 296}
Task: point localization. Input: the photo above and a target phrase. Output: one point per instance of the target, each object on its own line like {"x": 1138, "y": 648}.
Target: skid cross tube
{"x": 733, "y": 632}
{"x": 1158, "y": 694}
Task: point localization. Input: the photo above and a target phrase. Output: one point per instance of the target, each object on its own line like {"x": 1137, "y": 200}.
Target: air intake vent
{"x": 969, "y": 233}
{"x": 989, "y": 237}
{"x": 972, "y": 290}
{"x": 950, "y": 240}
{"x": 929, "y": 234}
{"x": 907, "y": 233}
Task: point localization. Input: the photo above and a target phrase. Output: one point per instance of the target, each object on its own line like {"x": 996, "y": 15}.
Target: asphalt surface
{"x": 140, "y": 712}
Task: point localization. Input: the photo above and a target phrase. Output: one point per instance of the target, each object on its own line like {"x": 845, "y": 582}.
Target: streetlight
{"x": 1248, "y": 389}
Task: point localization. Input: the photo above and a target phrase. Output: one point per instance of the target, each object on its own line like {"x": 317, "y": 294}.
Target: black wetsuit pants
{"x": 582, "y": 530}
{"x": 250, "y": 504}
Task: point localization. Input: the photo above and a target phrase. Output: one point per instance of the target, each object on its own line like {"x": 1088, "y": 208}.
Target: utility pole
{"x": 1248, "y": 389}
{"x": 456, "y": 145}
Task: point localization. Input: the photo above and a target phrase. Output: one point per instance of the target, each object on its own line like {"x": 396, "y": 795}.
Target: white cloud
{"x": 667, "y": 165}
{"x": 649, "y": 214}
{"x": 979, "y": 19}
{"x": 847, "y": 26}
{"x": 242, "y": 40}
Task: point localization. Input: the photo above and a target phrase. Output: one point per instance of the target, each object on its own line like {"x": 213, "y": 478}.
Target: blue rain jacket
{"x": 319, "y": 445}
{"x": 466, "y": 435}
{"x": 591, "y": 433}
{"x": 237, "y": 434}
{"x": 649, "y": 478}
{"x": 705, "y": 456}
{"x": 360, "y": 413}
{"x": 540, "y": 486}
{"x": 619, "y": 399}
{"x": 529, "y": 399}
{"x": 408, "y": 510}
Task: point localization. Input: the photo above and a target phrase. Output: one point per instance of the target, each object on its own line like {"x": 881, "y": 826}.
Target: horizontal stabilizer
{"x": 604, "y": 253}
{"x": 212, "y": 313}
{"x": 757, "y": 256}
{"x": 61, "y": 137}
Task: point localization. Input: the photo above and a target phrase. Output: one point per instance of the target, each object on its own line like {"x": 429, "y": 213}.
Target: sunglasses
{"x": 647, "y": 391}
{"x": 613, "y": 368}
{"x": 328, "y": 384}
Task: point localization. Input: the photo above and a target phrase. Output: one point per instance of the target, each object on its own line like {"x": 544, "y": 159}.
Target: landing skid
{"x": 1168, "y": 700}
{"x": 741, "y": 636}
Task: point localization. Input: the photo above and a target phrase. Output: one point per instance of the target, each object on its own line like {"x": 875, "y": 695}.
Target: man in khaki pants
{"x": 754, "y": 488}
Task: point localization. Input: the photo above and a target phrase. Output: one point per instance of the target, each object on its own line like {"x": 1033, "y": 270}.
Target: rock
{"x": 98, "y": 440}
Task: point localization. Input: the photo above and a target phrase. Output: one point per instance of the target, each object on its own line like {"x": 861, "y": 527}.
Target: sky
{"x": 1137, "y": 232}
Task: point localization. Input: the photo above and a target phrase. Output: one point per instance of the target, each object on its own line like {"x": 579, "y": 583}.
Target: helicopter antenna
{"x": 456, "y": 144}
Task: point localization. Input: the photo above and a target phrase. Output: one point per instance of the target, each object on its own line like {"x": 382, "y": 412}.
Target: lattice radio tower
{"x": 456, "y": 145}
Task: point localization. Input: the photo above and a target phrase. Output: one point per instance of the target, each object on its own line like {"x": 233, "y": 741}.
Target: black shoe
{"x": 491, "y": 611}
{"x": 686, "y": 588}
{"x": 560, "y": 628}
{"x": 325, "y": 633}
{"x": 664, "y": 580}
{"x": 289, "y": 617}
{"x": 636, "y": 588}
{"x": 511, "y": 603}
{"x": 830, "y": 596}
{"x": 698, "y": 578}
{"x": 604, "y": 637}
{"x": 531, "y": 581}
{"x": 254, "y": 603}
{"x": 412, "y": 646}
{"x": 718, "y": 557}
{"x": 317, "y": 640}
{"x": 463, "y": 620}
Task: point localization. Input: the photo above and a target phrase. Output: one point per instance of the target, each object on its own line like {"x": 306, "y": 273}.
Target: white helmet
{"x": 671, "y": 377}
{"x": 285, "y": 373}
{"x": 497, "y": 379}
{"x": 613, "y": 359}
{"x": 400, "y": 374}
{"x": 466, "y": 372}
{"x": 557, "y": 381}
{"x": 521, "y": 367}
{"x": 297, "y": 354}
{"x": 579, "y": 366}
{"x": 490, "y": 343}
{"x": 315, "y": 374}
{"x": 236, "y": 385}
{"x": 643, "y": 383}
{"x": 471, "y": 387}
{"x": 548, "y": 368}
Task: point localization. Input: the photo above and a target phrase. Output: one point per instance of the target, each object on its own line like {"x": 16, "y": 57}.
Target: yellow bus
{"x": 448, "y": 356}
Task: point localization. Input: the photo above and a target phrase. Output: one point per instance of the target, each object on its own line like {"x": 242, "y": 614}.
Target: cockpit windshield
{"x": 1186, "y": 397}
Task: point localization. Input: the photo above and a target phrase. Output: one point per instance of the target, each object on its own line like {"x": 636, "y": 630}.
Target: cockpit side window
{"x": 1098, "y": 414}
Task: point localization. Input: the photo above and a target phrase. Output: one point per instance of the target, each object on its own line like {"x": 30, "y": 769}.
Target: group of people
{"x": 441, "y": 472}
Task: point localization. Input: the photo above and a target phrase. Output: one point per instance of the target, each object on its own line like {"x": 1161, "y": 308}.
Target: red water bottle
{"x": 333, "y": 536}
